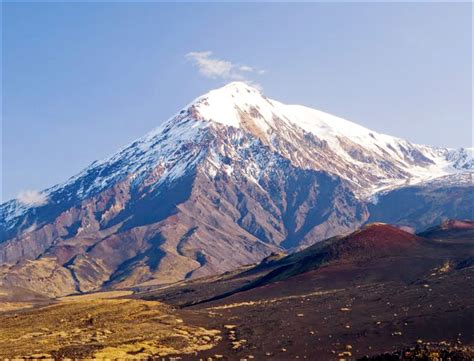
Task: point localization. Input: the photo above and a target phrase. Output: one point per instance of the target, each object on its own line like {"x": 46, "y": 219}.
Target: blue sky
{"x": 82, "y": 80}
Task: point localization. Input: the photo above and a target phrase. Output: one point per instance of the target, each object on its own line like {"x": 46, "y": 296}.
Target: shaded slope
{"x": 451, "y": 230}
{"x": 426, "y": 204}
{"x": 375, "y": 253}
{"x": 374, "y": 241}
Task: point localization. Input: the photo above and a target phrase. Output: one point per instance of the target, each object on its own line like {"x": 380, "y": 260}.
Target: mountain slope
{"x": 375, "y": 253}
{"x": 425, "y": 204}
{"x": 196, "y": 225}
{"x": 231, "y": 178}
{"x": 451, "y": 230}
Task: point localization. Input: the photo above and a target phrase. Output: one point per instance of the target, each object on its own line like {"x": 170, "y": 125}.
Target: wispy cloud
{"x": 215, "y": 68}
{"x": 32, "y": 198}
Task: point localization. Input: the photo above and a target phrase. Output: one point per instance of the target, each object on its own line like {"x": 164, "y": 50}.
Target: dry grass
{"x": 96, "y": 296}
{"x": 103, "y": 328}
{"x": 12, "y": 306}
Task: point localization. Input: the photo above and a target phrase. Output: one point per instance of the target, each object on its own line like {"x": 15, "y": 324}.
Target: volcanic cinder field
{"x": 377, "y": 291}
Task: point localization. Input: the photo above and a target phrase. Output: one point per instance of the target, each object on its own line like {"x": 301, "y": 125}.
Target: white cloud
{"x": 32, "y": 198}
{"x": 215, "y": 68}
{"x": 246, "y": 68}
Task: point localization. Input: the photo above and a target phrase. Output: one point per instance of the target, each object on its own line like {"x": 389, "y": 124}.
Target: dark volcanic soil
{"x": 375, "y": 295}
{"x": 322, "y": 324}
{"x": 378, "y": 292}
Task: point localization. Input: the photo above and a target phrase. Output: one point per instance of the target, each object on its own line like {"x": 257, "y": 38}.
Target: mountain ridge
{"x": 461, "y": 159}
{"x": 233, "y": 177}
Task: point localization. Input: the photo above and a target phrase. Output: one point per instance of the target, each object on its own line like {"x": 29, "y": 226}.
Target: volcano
{"x": 231, "y": 178}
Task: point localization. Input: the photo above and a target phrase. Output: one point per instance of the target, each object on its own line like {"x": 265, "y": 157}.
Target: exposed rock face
{"x": 232, "y": 178}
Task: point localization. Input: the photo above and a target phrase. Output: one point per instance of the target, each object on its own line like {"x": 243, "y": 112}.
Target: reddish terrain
{"x": 378, "y": 290}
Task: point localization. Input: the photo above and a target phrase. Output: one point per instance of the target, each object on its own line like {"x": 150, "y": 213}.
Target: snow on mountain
{"x": 242, "y": 106}
{"x": 231, "y": 178}
{"x": 311, "y": 139}
{"x": 461, "y": 158}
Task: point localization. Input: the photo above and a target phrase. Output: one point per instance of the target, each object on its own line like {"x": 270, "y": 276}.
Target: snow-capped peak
{"x": 309, "y": 138}
{"x": 227, "y": 104}
{"x": 241, "y": 106}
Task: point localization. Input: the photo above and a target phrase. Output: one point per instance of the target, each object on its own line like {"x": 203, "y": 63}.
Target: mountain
{"x": 230, "y": 179}
{"x": 425, "y": 204}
